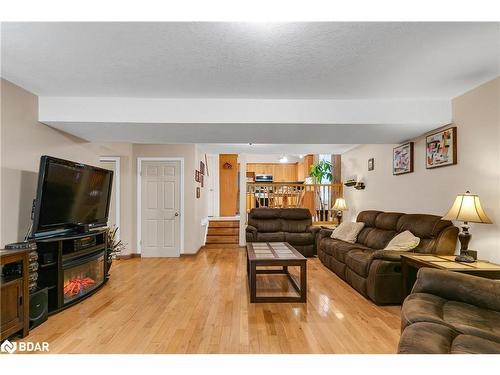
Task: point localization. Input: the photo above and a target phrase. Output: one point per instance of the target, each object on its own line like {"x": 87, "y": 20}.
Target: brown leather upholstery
{"x": 376, "y": 273}
{"x": 292, "y": 225}
{"x": 450, "y": 312}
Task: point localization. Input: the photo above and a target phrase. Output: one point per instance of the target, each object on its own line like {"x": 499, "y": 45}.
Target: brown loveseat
{"x": 292, "y": 225}
{"x": 448, "y": 312}
{"x": 374, "y": 272}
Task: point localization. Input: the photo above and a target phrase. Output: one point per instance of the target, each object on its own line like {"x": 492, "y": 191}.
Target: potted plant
{"x": 319, "y": 172}
{"x": 114, "y": 247}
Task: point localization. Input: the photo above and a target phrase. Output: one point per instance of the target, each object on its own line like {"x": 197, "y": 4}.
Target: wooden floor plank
{"x": 200, "y": 304}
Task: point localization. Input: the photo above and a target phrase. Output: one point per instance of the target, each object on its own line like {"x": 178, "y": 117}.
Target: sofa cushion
{"x": 422, "y": 226}
{"x": 338, "y": 249}
{"x": 295, "y": 226}
{"x": 387, "y": 220}
{"x": 359, "y": 261}
{"x": 368, "y": 217}
{"x": 432, "y": 338}
{"x": 295, "y": 214}
{"x": 379, "y": 238}
{"x": 347, "y": 232}
{"x": 404, "y": 241}
{"x": 270, "y": 236}
{"x": 463, "y": 317}
{"x": 299, "y": 238}
{"x": 266, "y": 226}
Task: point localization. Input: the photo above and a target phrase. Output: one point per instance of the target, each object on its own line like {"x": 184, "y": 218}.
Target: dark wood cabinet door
{"x": 11, "y": 307}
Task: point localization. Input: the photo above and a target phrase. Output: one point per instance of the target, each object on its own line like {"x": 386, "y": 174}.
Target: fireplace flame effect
{"x": 77, "y": 286}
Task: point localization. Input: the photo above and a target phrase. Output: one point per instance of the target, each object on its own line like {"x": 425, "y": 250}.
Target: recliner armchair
{"x": 449, "y": 312}
{"x": 292, "y": 225}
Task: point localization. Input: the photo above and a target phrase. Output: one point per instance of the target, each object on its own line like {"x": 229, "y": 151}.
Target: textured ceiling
{"x": 251, "y": 60}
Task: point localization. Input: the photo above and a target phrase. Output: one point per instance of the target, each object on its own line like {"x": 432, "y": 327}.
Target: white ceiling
{"x": 250, "y": 60}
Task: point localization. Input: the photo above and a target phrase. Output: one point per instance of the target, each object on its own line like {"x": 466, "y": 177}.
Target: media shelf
{"x": 71, "y": 267}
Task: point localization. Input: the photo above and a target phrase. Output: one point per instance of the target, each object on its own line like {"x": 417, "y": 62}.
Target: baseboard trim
{"x": 129, "y": 256}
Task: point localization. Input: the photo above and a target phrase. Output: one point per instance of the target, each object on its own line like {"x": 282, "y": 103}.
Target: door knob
{"x": 176, "y": 214}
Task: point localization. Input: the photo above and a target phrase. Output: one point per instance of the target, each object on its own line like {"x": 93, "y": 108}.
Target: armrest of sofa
{"x": 313, "y": 229}
{"x": 390, "y": 255}
{"x": 325, "y": 233}
{"x": 455, "y": 286}
{"x": 251, "y": 233}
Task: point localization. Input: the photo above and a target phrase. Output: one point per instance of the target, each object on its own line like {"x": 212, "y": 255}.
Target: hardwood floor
{"x": 200, "y": 304}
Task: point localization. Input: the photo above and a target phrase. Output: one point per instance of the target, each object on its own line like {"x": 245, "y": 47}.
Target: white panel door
{"x": 160, "y": 208}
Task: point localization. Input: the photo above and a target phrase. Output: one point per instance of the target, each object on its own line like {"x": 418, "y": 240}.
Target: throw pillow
{"x": 404, "y": 241}
{"x": 347, "y": 232}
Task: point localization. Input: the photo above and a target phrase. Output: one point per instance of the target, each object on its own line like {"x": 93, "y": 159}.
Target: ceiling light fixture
{"x": 283, "y": 159}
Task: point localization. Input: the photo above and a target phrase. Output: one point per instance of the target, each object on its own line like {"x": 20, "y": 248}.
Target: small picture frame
{"x": 402, "y": 159}
{"x": 202, "y": 168}
{"x": 371, "y": 164}
{"x": 201, "y": 180}
{"x": 198, "y": 192}
{"x": 441, "y": 148}
{"x": 197, "y": 176}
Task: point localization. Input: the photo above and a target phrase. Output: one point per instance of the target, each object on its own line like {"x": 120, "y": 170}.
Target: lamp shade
{"x": 340, "y": 205}
{"x": 467, "y": 207}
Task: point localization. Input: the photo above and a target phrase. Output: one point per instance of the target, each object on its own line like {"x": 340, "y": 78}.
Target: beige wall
{"x": 476, "y": 115}
{"x": 23, "y": 141}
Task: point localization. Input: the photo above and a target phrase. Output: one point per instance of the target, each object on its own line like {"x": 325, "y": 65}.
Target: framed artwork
{"x": 201, "y": 179}
{"x": 402, "y": 159}
{"x": 202, "y": 168}
{"x": 197, "y": 176}
{"x": 441, "y": 148}
{"x": 198, "y": 192}
{"x": 371, "y": 164}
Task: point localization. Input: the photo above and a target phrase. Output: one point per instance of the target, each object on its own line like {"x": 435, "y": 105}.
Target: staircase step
{"x": 223, "y": 224}
{"x": 222, "y": 239}
{"x": 223, "y": 231}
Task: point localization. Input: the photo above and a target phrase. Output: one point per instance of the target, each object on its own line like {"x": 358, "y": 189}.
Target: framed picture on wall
{"x": 402, "y": 159}
{"x": 441, "y": 148}
{"x": 202, "y": 168}
{"x": 197, "y": 176}
{"x": 201, "y": 180}
{"x": 198, "y": 192}
{"x": 371, "y": 164}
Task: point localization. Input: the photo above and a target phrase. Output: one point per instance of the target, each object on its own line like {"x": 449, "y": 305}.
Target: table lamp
{"x": 466, "y": 208}
{"x": 340, "y": 206}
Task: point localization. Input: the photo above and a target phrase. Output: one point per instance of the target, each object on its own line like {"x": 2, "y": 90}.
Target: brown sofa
{"x": 448, "y": 312}
{"x": 292, "y": 225}
{"x": 374, "y": 272}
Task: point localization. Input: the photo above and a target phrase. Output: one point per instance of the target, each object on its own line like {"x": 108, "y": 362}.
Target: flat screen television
{"x": 70, "y": 196}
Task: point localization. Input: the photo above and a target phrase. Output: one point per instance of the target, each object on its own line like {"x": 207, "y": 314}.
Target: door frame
{"x": 116, "y": 160}
{"x": 139, "y": 198}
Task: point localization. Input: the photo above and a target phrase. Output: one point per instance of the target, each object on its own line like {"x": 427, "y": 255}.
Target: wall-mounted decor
{"x": 227, "y": 165}
{"x": 202, "y": 168}
{"x": 198, "y": 192}
{"x": 206, "y": 163}
{"x": 197, "y": 176}
{"x": 371, "y": 164}
{"x": 402, "y": 159}
{"x": 201, "y": 179}
{"x": 441, "y": 148}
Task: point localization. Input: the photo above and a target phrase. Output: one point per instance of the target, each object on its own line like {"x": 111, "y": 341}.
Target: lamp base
{"x": 464, "y": 258}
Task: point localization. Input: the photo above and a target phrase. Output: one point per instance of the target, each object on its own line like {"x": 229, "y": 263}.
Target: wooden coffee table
{"x": 281, "y": 254}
